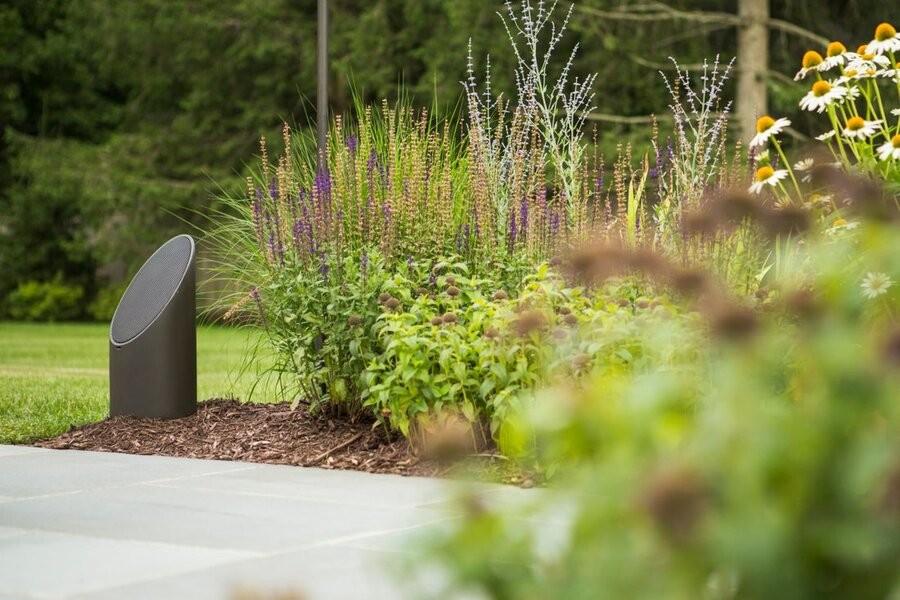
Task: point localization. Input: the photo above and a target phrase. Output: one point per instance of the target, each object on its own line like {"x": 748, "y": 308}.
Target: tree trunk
{"x": 752, "y": 64}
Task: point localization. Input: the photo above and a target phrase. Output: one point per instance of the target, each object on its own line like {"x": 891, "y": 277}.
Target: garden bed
{"x": 274, "y": 434}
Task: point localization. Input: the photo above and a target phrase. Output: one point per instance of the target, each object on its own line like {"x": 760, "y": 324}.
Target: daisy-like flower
{"x": 895, "y": 112}
{"x": 822, "y": 95}
{"x": 890, "y": 150}
{"x": 767, "y": 176}
{"x": 767, "y": 127}
{"x": 867, "y": 64}
{"x": 803, "y": 167}
{"x": 886, "y": 40}
{"x": 825, "y": 136}
{"x": 836, "y": 56}
{"x": 875, "y": 284}
{"x": 858, "y": 128}
{"x": 812, "y": 60}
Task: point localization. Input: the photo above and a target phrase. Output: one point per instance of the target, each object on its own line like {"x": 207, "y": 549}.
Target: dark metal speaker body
{"x": 153, "y": 337}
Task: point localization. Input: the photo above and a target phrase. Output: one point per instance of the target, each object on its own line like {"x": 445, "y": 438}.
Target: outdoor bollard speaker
{"x": 153, "y": 338}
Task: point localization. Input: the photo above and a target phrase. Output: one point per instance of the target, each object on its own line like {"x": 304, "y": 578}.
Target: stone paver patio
{"x": 98, "y": 525}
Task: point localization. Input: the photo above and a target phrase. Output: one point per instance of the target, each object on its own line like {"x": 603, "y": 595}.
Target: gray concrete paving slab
{"x": 95, "y": 525}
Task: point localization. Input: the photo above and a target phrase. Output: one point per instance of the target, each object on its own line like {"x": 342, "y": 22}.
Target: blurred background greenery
{"x": 122, "y": 121}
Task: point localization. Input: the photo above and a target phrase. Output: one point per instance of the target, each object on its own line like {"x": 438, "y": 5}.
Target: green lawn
{"x": 55, "y": 375}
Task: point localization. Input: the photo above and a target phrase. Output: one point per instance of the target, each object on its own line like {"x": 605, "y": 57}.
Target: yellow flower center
{"x": 895, "y": 141}
{"x": 764, "y": 124}
{"x": 835, "y": 49}
{"x": 850, "y": 72}
{"x": 839, "y": 222}
{"x": 764, "y": 173}
{"x": 870, "y": 72}
{"x": 862, "y": 49}
{"x": 820, "y": 88}
{"x": 884, "y": 32}
{"x": 812, "y": 59}
{"x": 855, "y": 123}
{"x": 868, "y": 56}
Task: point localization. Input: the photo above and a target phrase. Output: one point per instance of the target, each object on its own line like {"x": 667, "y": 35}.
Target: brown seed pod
{"x": 492, "y": 334}
{"x": 500, "y": 295}
{"x": 451, "y": 280}
{"x": 570, "y": 319}
{"x": 529, "y": 322}
{"x": 453, "y": 291}
{"x": 581, "y": 361}
{"x": 564, "y": 310}
{"x": 642, "y": 303}
{"x": 437, "y": 321}
{"x": 354, "y": 321}
{"x": 392, "y": 303}
{"x": 383, "y": 297}
{"x": 556, "y": 261}
{"x": 449, "y": 318}
{"x": 421, "y": 292}
{"x": 676, "y": 501}
{"x": 623, "y": 302}
{"x": 559, "y": 334}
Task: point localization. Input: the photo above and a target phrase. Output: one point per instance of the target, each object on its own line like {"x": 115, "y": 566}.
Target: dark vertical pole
{"x": 322, "y": 91}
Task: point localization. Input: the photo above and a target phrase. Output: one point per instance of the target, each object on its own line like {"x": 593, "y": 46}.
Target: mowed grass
{"x": 53, "y": 376}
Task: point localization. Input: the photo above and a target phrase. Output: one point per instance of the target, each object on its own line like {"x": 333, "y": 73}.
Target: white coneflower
{"x": 895, "y": 112}
{"x": 867, "y": 64}
{"x": 858, "y": 128}
{"x": 766, "y": 127}
{"x": 822, "y": 95}
{"x": 825, "y": 136}
{"x": 804, "y": 166}
{"x": 875, "y": 284}
{"x": 812, "y": 61}
{"x": 890, "y": 150}
{"x": 836, "y": 56}
{"x": 886, "y": 40}
{"x": 767, "y": 176}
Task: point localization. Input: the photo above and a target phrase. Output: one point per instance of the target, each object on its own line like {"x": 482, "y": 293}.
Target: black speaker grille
{"x": 151, "y": 289}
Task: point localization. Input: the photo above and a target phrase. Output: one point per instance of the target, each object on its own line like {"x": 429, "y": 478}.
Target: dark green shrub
{"x": 45, "y": 301}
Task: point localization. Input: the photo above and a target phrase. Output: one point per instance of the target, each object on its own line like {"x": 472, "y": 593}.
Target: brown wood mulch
{"x": 261, "y": 433}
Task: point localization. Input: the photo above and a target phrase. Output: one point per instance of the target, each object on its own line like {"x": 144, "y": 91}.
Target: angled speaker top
{"x": 152, "y": 289}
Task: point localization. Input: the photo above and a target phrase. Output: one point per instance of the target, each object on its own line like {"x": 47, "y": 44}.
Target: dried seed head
{"x": 642, "y": 303}
{"x": 451, "y": 280}
{"x": 761, "y": 294}
{"x": 421, "y": 292}
{"x": 623, "y": 302}
{"x": 889, "y": 503}
{"x": 448, "y": 318}
{"x": 492, "y": 333}
{"x": 500, "y": 295}
{"x": 676, "y": 501}
{"x": 529, "y": 322}
{"x": 656, "y": 304}
{"x": 890, "y": 350}
{"x": 383, "y": 297}
{"x": 392, "y": 303}
{"x": 784, "y": 221}
{"x": 354, "y": 321}
{"x": 689, "y": 281}
{"x": 803, "y": 303}
{"x": 559, "y": 334}
{"x": 564, "y": 310}
{"x": 437, "y": 321}
{"x": 581, "y": 361}
{"x": 453, "y": 291}
{"x": 570, "y": 319}
{"x": 733, "y": 322}
{"x": 556, "y": 261}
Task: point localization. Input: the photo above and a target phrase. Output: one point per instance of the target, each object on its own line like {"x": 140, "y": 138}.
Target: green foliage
{"x": 766, "y": 465}
{"x": 45, "y": 301}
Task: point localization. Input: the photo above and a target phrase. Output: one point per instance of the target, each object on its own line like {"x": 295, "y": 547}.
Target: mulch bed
{"x": 266, "y": 433}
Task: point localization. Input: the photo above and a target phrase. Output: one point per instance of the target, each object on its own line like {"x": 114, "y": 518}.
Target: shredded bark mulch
{"x": 267, "y": 433}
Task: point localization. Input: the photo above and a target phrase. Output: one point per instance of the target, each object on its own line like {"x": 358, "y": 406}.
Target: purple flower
{"x": 352, "y": 143}
{"x": 523, "y": 215}
{"x": 273, "y": 189}
{"x": 554, "y": 223}
{"x": 364, "y": 264}
{"x": 512, "y": 228}
{"x": 254, "y": 293}
{"x": 323, "y": 267}
{"x": 323, "y": 183}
